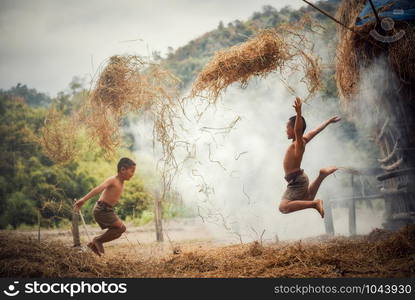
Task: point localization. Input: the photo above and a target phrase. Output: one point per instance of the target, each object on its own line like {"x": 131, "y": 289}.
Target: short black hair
{"x": 125, "y": 162}
{"x": 292, "y": 122}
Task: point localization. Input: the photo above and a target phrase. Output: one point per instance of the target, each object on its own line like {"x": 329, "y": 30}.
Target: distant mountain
{"x": 189, "y": 59}
{"x": 31, "y": 96}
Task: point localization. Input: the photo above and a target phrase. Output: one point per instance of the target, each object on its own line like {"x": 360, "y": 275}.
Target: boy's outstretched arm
{"x": 298, "y": 126}
{"x": 95, "y": 191}
{"x": 309, "y": 135}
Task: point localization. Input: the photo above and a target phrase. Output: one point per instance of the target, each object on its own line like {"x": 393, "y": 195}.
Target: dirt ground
{"x": 190, "y": 251}
{"x": 189, "y": 233}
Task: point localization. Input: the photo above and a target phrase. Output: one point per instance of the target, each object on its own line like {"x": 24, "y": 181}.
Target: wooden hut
{"x": 374, "y": 29}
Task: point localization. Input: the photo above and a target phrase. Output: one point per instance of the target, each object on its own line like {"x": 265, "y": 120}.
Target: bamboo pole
{"x": 38, "y": 225}
{"x": 365, "y": 36}
{"x": 352, "y": 210}
{"x": 329, "y": 16}
{"x": 158, "y": 217}
{"x": 75, "y": 229}
{"x": 375, "y": 12}
{"x": 328, "y": 217}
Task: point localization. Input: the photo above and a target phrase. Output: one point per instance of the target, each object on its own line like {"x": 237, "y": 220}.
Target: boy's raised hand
{"x": 334, "y": 119}
{"x": 77, "y": 205}
{"x": 297, "y": 105}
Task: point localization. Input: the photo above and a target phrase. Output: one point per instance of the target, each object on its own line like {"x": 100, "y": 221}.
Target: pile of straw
{"x": 23, "y": 256}
{"x": 281, "y": 49}
{"x": 381, "y": 254}
{"x": 358, "y": 49}
{"x": 59, "y": 137}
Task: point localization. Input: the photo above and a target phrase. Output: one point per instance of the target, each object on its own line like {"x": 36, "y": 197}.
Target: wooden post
{"x": 38, "y": 225}
{"x": 158, "y": 217}
{"x": 352, "y": 211}
{"x": 328, "y": 217}
{"x": 75, "y": 229}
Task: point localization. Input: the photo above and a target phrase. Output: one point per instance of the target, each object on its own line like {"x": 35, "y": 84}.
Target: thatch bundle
{"x": 59, "y": 137}
{"x": 119, "y": 83}
{"x": 103, "y": 127}
{"x": 358, "y": 49}
{"x": 127, "y": 84}
{"x": 257, "y": 57}
{"x": 281, "y": 49}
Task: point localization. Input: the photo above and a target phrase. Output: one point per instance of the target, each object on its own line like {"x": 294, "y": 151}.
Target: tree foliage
{"x": 30, "y": 182}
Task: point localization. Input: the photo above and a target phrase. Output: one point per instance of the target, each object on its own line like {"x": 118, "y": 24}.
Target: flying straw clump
{"x": 312, "y": 73}
{"x": 257, "y": 57}
{"x": 126, "y": 84}
{"x": 103, "y": 127}
{"x": 282, "y": 49}
{"x": 119, "y": 84}
{"x": 59, "y": 137}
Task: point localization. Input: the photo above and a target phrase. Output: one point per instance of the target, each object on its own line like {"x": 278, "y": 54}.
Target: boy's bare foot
{"x": 93, "y": 248}
{"x": 319, "y": 207}
{"x": 98, "y": 245}
{"x": 327, "y": 171}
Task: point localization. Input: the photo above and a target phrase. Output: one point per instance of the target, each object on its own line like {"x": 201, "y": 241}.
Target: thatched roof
{"x": 358, "y": 49}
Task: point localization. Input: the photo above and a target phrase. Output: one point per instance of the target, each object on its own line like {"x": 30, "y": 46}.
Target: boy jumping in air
{"x": 103, "y": 210}
{"x": 299, "y": 194}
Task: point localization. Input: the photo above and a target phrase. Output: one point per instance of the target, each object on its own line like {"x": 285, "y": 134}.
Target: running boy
{"x": 103, "y": 210}
{"x": 299, "y": 194}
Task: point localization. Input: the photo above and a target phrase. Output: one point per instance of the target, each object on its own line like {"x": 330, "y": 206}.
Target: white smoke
{"x": 377, "y": 83}
{"x": 233, "y": 177}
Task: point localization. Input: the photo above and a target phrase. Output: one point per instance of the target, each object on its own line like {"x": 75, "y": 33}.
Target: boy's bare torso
{"x": 293, "y": 158}
{"x": 111, "y": 195}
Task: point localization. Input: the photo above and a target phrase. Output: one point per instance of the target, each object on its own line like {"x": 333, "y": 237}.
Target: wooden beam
{"x": 391, "y": 155}
{"x": 328, "y": 217}
{"x": 352, "y": 211}
{"x": 158, "y": 217}
{"x": 75, "y": 229}
{"x": 38, "y": 225}
{"x": 393, "y": 192}
{"x": 342, "y": 201}
{"x": 397, "y": 173}
{"x": 382, "y": 131}
{"x": 361, "y": 171}
{"x": 393, "y": 166}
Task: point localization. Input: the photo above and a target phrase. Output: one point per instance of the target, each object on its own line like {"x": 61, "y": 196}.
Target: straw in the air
{"x": 283, "y": 49}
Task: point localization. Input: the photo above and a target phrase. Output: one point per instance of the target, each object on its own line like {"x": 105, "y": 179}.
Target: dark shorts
{"x": 104, "y": 214}
{"x": 297, "y": 187}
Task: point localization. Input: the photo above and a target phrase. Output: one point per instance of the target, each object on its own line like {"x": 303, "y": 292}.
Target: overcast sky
{"x": 44, "y": 43}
